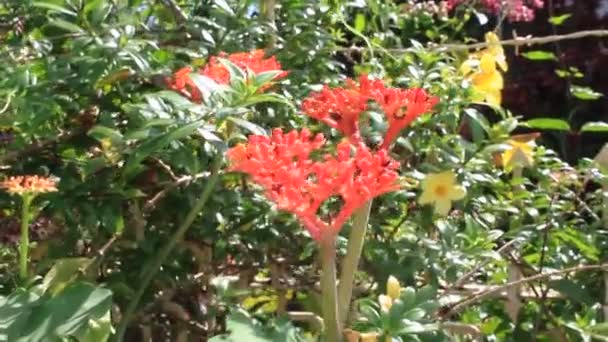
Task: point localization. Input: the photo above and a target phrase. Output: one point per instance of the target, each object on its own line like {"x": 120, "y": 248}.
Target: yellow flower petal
{"x": 442, "y": 207}
{"x": 393, "y": 288}
{"x": 426, "y": 197}
{"x": 457, "y": 193}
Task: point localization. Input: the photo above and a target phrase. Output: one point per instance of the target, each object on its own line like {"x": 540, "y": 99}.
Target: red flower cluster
{"x": 340, "y": 108}
{"x": 183, "y": 84}
{"x": 253, "y": 61}
{"x": 516, "y": 10}
{"x": 296, "y": 183}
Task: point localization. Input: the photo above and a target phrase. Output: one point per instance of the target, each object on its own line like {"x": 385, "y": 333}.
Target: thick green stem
{"x": 166, "y": 250}
{"x": 24, "y": 243}
{"x": 351, "y": 260}
{"x": 331, "y": 319}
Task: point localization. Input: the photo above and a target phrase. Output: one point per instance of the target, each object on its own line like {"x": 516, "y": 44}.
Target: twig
{"x": 517, "y": 41}
{"x": 151, "y": 203}
{"x": 308, "y": 317}
{"x": 492, "y": 290}
{"x": 180, "y": 16}
{"x": 37, "y": 146}
{"x": 460, "y": 281}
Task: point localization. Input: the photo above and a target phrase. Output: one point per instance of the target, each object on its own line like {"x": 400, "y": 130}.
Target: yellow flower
{"x": 480, "y": 68}
{"x": 441, "y": 189}
{"x": 496, "y": 50}
{"x": 385, "y": 303}
{"x": 393, "y": 288}
{"x": 520, "y": 154}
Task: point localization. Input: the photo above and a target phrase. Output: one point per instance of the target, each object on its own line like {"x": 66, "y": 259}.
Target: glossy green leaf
{"x": 548, "y": 123}
{"x": 596, "y": 126}
{"x": 559, "y": 19}
{"x": 585, "y": 93}
{"x": 539, "y": 55}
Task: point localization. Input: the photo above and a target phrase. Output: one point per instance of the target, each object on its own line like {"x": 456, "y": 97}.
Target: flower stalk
{"x": 24, "y": 242}
{"x": 351, "y": 260}
{"x": 166, "y": 250}
{"x": 329, "y": 293}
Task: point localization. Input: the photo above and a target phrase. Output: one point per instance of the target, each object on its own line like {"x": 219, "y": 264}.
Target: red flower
{"x": 401, "y": 107}
{"x": 254, "y": 61}
{"x": 183, "y": 84}
{"x": 281, "y": 164}
{"x": 338, "y": 108}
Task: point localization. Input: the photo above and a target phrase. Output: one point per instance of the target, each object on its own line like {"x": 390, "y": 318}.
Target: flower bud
{"x": 393, "y": 288}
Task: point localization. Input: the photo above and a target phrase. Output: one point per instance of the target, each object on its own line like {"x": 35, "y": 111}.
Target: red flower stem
{"x": 351, "y": 260}
{"x": 329, "y": 293}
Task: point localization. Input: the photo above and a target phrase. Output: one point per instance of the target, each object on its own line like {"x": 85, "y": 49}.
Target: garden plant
{"x": 299, "y": 170}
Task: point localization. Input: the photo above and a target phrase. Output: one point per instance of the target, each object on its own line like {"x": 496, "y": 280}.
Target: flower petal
{"x": 442, "y": 207}
{"x": 457, "y": 193}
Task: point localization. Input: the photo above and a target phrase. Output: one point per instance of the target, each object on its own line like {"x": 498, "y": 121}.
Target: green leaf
{"x": 224, "y": 6}
{"x": 247, "y": 125}
{"x": 585, "y": 93}
{"x": 62, "y": 273}
{"x": 99, "y": 133}
{"x": 66, "y": 25}
{"x": 54, "y": 7}
{"x": 596, "y": 126}
{"x": 559, "y": 19}
{"x": 79, "y": 311}
{"x": 69, "y": 313}
{"x": 155, "y": 144}
{"x": 15, "y": 311}
{"x": 539, "y": 55}
{"x": 572, "y": 290}
{"x": 242, "y": 327}
{"x": 548, "y": 123}
{"x": 360, "y": 22}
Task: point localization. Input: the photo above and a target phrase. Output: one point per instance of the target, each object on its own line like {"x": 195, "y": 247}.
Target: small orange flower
{"x": 20, "y": 185}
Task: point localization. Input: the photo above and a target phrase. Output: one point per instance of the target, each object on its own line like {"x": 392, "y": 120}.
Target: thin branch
{"x": 151, "y": 204}
{"x": 178, "y": 13}
{"x": 37, "y": 146}
{"x": 460, "y": 281}
{"x": 517, "y": 41}
{"x": 498, "y": 288}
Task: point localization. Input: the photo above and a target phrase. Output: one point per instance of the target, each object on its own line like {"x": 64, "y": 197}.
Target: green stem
{"x": 331, "y": 319}
{"x": 351, "y": 260}
{"x": 166, "y": 250}
{"x": 24, "y": 243}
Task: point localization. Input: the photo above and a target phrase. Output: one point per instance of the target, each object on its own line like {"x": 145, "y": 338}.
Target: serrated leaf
{"x": 585, "y": 93}
{"x": 596, "y": 126}
{"x": 548, "y": 123}
{"x": 539, "y": 55}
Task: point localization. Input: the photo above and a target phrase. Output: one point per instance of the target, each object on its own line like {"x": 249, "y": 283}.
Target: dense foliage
{"x": 183, "y": 170}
